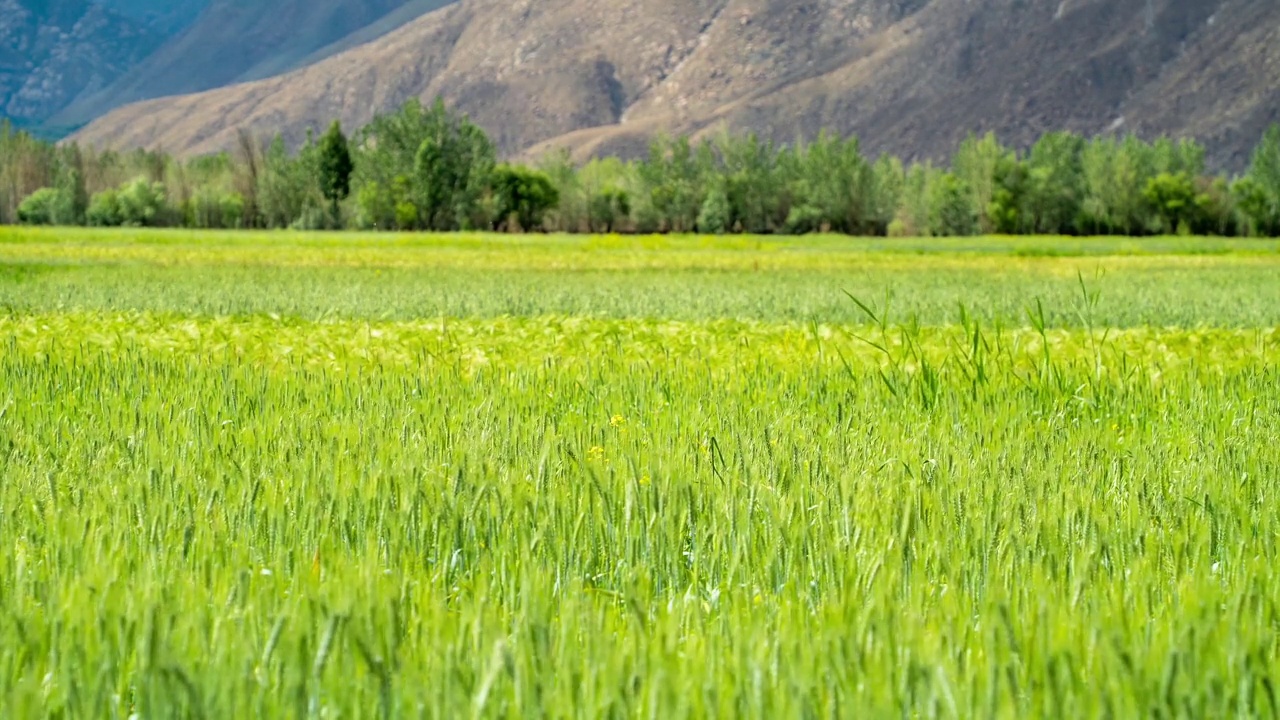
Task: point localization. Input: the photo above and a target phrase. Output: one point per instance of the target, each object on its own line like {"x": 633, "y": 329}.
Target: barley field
{"x": 346, "y": 476}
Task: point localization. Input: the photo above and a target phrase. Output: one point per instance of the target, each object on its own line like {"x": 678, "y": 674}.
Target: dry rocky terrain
{"x": 908, "y": 76}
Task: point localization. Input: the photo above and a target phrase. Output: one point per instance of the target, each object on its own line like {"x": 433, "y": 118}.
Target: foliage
{"x": 143, "y": 204}
{"x": 431, "y": 168}
{"x": 913, "y": 215}
{"x": 47, "y": 206}
{"x": 287, "y": 189}
{"x": 976, "y": 166}
{"x": 335, "y": 167}
{"x": 1054, "y": 185}
{"x": 833, "y": 187}
{"x": 105, "y": 210}
{"x": 1258, "y": 193}
{"x": 523, "y": 196}
{"x": 952, "y": 212}
{"x": 210, "y": 209}
{"x": 452, "y": 170}
{"x": 673, "y": 181}
{"x": 1173, "y": 200}
{"x": 608, "y": 208}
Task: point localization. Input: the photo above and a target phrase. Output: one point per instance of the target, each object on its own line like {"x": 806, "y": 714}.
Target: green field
{"x": 329, "y": 476}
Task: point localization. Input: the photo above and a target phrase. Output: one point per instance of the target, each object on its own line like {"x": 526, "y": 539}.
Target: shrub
{"x": 213, "y": 210}
{"x": 1259, "y": 208}
{"x": 898, "y": 228}
{"x": 523, "y": 195}
{"x": 804, "y": 219}
{"x": 104, "y": 210}
{"x": 47, "y": 206}
{"x": 315, "y": 217}
{"x": 715, "y": 215}
{"x": 1172, "y": 199}
{"x": 951, "y": 210}
{"x": 142, "y": 204}
{"x": 607, "y": 209}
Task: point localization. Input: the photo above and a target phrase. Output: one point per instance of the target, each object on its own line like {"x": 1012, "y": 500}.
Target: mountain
{"x": 53, "y": 52}
{"x": 65, "y": 62}
{"x": 166, "y": 17}
{"x": 237, "y": 40}
{"x": 908, "y": 76}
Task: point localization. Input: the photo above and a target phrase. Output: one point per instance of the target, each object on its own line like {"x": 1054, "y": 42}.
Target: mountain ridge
{"x": 908, "y": 76}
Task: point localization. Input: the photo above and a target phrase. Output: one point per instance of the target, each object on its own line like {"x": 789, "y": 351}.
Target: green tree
{"x": 104, "y": 210}
{"x": 756, "y": 190}
{"x": 885, "y": 193}
{"x": 832, "y": 186}
{"x": 143, "y": 204}
{"x": 1007, "y": 209}
{"x": 913, "y": 216}
{"x": 287, "y": 193}
{"x": 452, "y": 171}
{"x": 1216, "y": 211}
{"x": 47, "y": 206}
{"x": 976, "y": 163}
{"x": 674, "y": 178}
{"x": 523, "y": 195}
{"x": 1258, "y": 192}
{"x": 70, "y": 180}
{"x": 1055, "y": 184}
{"x": 951, "y": 209}
{"x": 1172, "y": 198}
{"x": 603, "y": 197}
{"x": 336, "y": 167}
{"x": 210, "y": 208}
{"x": 607, "y": 208}
{"x": 1257, "y": 206}
{"x": 715, "y": 216}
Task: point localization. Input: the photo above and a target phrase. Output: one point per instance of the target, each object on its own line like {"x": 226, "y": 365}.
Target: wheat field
{"x": 340, "y": 476}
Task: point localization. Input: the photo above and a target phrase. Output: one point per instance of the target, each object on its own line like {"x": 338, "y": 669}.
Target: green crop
{"x": 644, "y": 512}
{"x": 1186, "y": 282}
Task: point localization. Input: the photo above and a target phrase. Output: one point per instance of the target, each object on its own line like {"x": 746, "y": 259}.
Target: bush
{"x": 608, "y": 209}
{"x": 804, "y": 219}
{"x": 142, "y": 204}
{"x": 898, "y": 228}
{"x": 1259, "y": 208}
{"x": 47, "y": 206}
{"x": 951, "y": 210}
{"x": 104, "y": 210}
{"x": 1171, "y": 197}
{"x": 714, "y": 218}
{"x": 523, "y": 195}
{"x": 214, "y": 210}
{"x": 406, "y": 215}
{"x": 375, "y": 208}
{"x": 315, "y": 217}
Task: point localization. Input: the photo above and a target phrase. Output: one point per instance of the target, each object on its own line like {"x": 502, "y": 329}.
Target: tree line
{"x": 428, "y": 168}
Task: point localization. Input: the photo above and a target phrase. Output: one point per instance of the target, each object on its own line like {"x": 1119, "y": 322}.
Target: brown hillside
{"x": 909, "y": 76}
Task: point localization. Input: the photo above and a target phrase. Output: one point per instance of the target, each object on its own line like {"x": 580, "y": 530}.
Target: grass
{"x": 1159, "y": 282}
{"x": 222, "y": 501}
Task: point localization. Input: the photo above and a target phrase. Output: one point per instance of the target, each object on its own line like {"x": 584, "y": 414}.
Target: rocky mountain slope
{"x": 65, "y": 62}
{"x": 53, "y": 52}
{"x": 908, "y": 76}
{"x": 238, "y": 40}
{"x": 166, "y": 17}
